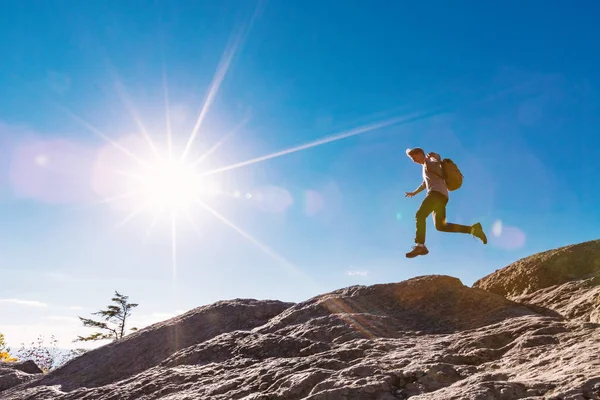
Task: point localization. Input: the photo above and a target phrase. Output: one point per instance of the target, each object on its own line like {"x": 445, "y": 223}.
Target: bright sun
{"x": 171, "y": 185}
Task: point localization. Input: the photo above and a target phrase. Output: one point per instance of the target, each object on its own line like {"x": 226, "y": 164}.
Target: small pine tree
{"x": 113, "y": 326}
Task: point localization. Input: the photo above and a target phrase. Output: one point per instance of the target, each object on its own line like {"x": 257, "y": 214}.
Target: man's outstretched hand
{"x": 409, "y": 194}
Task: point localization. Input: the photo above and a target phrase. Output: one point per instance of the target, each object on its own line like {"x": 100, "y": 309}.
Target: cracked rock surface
{"x": 430, "y": 337}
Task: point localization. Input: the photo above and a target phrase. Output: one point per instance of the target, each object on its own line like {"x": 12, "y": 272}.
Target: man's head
{"x": 417, "y": 155}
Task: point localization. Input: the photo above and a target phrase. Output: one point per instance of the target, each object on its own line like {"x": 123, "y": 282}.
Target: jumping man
{"x": 434, "y": 202}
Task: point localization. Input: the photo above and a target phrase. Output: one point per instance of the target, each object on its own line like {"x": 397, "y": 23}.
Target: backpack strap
{"x": 441, "y": 167}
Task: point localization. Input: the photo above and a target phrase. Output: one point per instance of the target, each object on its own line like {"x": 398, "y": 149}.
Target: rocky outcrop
{"x": 543, "y": 270}
{"x": 431, "y": 304}
{"x": 576, "y": 300}
{"x": 566, "y": 280}
{"x": 16, "y": 373}
{"x": 429, "y": 337}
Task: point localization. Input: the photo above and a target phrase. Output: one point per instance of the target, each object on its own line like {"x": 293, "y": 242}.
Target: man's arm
{"x": 421, "y": 187}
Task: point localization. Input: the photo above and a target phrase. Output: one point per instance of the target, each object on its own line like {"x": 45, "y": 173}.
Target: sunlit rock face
{"x": 565, "y": 279}
{"x": 542, "y": 270}
{"x": 528, "y": 331}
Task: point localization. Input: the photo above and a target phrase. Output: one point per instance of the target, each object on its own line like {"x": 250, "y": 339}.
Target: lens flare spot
{"x": 314, "y": 202}
{"x": 65, "y": 182}
{"x": 41, "y": 160}
{"x": 507, "y": 237}
{"x": 497, "y": 228}
{"x": 273, "y": 199}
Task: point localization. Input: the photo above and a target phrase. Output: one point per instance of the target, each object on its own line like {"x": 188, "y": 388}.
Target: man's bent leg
{"x": 451, "y": 227}
{"x": 439, "y": 218}
{"x": 426, "y": 208}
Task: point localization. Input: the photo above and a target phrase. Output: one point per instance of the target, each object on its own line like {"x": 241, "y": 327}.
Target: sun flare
{"x": 136, "y": 175}
{"x": 170, "y": 186}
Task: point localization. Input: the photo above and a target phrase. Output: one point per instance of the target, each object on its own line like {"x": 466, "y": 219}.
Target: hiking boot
{"x": 477, "y": 231}
{"x": 417, "y": 250}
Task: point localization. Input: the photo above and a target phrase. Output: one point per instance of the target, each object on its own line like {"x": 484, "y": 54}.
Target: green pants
{"x": 435, "y": 202}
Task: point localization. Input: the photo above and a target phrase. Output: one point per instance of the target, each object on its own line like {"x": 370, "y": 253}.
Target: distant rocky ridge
{"x": 527, "y": 331}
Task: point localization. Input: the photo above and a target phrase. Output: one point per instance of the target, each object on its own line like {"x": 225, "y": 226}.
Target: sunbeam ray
{"x": 152, "y": 225}
{"x": 130, "y": 216}
{"x": 136, "y": 118}
{"x": 231, "y": 133}
{"x": 355, "y": 318}
{"x": 222, "y": 68}
{"x": 214, "y": 88}
{"x": 167, "y": 113}
{"x": 193, "y": 223}
{"x": 121, "y": 92}
{"x": 110, "y": 141}
{"x": 291, "y": 267}
{"x": 339, "y": 136}
{"x": 174, "y": 247}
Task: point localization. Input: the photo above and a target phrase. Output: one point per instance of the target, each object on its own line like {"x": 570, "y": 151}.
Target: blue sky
{"x": 510, "y": 92}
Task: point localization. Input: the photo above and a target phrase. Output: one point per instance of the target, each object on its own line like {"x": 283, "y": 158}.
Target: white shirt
{"x": 433, "y": 176}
